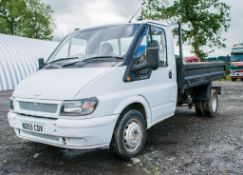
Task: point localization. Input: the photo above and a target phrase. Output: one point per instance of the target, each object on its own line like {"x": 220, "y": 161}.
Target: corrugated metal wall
{"x": 19, "y": 58}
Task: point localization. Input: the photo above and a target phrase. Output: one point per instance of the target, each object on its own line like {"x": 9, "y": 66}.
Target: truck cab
{"x": 105, "y": 86}
{"x": 236, "y": 62}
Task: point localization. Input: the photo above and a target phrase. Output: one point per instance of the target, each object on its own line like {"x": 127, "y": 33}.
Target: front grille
{"x": 38, "y": 107}
{"x": 39, "y": 135}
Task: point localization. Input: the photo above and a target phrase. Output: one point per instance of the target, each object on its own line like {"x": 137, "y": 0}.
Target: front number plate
{"x": 32, "y": 127}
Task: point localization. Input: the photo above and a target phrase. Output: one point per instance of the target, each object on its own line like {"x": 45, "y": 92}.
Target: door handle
{"x": 170, "y": 75}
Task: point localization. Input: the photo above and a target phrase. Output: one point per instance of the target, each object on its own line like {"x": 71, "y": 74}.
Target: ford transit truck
{"x": 236, "y": 62}
{"x": 104, "y": 87}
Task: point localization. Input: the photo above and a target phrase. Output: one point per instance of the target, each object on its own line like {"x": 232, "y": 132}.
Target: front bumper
{"x": 67, "y": 133}
{"x": 236, "y": 76}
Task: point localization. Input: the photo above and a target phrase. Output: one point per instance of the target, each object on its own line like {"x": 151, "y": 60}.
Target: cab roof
{"x": 142, "y": 22}
{"x": 162, "y": 23}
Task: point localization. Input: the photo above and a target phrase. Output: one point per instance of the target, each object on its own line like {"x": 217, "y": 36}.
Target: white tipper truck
{"x": 104, "y": 87}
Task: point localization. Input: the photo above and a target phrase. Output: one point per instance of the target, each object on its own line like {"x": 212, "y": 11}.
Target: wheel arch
{"x": 136, "y": 102}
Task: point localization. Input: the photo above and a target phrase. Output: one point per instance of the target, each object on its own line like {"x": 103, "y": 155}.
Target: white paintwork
{"x": 71, "y": 82}
{"x": 18, "y": 58}
{"x": 85, "y": 134}
{"x": 158, "y": 95}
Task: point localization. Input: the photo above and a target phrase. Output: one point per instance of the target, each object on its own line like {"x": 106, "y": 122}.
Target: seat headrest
{"x": 106, "y": 49}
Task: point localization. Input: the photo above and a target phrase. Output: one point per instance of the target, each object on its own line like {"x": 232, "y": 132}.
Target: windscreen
{"x": 97, "y": 42}
{"x": 236, "y": 58}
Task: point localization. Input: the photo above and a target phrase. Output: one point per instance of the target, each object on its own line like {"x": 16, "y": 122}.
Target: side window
{"x": 159, "y": 40}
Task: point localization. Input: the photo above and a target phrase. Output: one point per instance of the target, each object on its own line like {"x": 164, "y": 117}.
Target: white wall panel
{"x": 19, "y": 58}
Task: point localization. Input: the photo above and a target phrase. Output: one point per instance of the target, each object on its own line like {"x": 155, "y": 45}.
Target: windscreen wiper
{"x": 63, "y": 59}
{"x": 102, "y": 57}
{"x": 92, "y": 59}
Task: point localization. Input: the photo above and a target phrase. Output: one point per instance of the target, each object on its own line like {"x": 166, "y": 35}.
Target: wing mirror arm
{"x": 140, "y": 67}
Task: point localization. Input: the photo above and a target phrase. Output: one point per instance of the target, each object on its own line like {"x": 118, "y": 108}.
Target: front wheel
{"x": 130, "y": 134}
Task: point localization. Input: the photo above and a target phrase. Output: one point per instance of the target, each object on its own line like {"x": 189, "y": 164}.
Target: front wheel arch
{"x": 138, "y": 102}
{"x": 135, "y": 106}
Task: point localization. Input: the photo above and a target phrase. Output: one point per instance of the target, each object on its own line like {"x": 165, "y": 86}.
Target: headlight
{"x": 79, "y": 107}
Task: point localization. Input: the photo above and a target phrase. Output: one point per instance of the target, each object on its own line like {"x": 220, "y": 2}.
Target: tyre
{"x": 233, "y": 79}
{"x": 199, "y": 108}
{"x": 130, "y": 134}
{"x": 241, "y": 79}
{"x": 211, "y": 106}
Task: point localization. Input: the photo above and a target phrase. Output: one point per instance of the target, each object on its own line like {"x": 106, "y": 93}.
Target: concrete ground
{"x": 183, "y": 144}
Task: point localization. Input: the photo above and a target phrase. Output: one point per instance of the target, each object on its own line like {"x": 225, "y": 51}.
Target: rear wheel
{"x": 208, "y": 108}
{"x": 130, "y": 134}
{"x": 241, "y": 79}
{"x": 199, "y": 108}
{"x": 233, "y": 79}
{"x": 211, "y": 106}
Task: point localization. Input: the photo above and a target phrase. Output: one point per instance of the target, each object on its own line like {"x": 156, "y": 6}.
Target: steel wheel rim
{"x": 214, "y": 103}
{"x": 132, "y": 136}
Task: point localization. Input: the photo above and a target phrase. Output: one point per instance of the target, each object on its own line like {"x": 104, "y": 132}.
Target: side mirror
{"x": 41, "y": 63}
{"x": 152, "y": 60}
{"x": 153, "y": 57}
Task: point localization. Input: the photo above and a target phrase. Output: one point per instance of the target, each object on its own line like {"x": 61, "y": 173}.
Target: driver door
{"x": 159, "y": 86}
